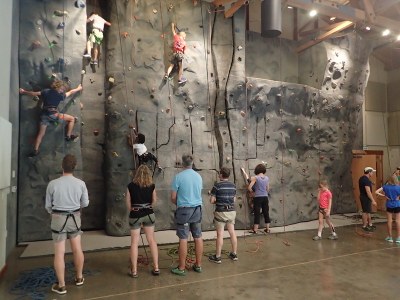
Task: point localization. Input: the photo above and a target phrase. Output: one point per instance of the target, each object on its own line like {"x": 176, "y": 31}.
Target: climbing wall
{"x": 52, "y": 39}
{"x": 248, "y": 100}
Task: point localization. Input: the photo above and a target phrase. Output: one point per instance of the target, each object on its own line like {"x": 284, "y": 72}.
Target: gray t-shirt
{"x": 66, "y": 193}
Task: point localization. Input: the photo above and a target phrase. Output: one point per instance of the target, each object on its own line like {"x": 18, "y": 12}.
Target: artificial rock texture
{"x": 247, "y": 100}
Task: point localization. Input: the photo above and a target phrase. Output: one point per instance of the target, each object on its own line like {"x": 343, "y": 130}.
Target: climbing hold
{"x": 129, "y": 68}
{"x": 35, "y": 44}
{"x": 82, "y": 123}
{"x": 96, "y": 132}
{"x": 242, "y": 113}
{"x": 115, "y": 154}
{"x": 109, "y": 98}
{"x": 244, "y": 128}
{"x": 167, "y": 110}
{"x": 155, "y": 11}
{"x": 224, "y": 132}
{"x": 61, "y": 25}
{"x": 81, "y": 105}
{"x": 91, "y": 80}
{"x": 221, "y": 113}
{"x": 124, "y": 34}
{"x": 210, "y": 146}
{"x": 83, "y": 72}
{"x": 111, "y": 79}
{"x": 79, "y": 4}
{"x": 47, "y": 59}
{"x": 239, "y": 48}
{"x": 298, "y": 130}
{"x": 228, "y": 159}
{"x": 202, "y": 118}
{"x": 35, "y": 98}
{"x": 131, "y": 111}
{"x": 99, "y": 93}
{"x": 239, "y": 58}
{"x": 78, "y": 32}
{"x": 60, "y": 13}
{"x": 190, "y": 107}
{"x": 170, "y": 7}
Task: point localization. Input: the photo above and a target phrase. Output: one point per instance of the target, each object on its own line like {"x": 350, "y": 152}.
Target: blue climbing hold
{"x": 61, "y": 25}
{"x": 80, "y": 4}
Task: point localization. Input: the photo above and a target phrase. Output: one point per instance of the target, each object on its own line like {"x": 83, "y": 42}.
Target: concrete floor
{"x": 277, "y": 266}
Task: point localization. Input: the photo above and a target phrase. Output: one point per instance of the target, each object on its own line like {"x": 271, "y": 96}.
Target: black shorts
{"x": 393, "y": 210}
{"x": 366, "y": 204}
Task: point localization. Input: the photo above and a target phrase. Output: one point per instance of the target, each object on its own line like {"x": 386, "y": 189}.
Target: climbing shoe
{"x": 214, "y": 259}
{"x": 182, "y": 80}
{"x": 93, "y": 62}
{"x": 71, "y": 138}
{"x": 61, "y": 290}
{"x": 34, "y": 153}
{"x": 178, "y": 271}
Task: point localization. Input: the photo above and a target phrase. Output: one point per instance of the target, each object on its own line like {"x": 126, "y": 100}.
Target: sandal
{"x": 252, "y": 231}
{"x": 267, "y": 230}
{"x": 155, "y": 272}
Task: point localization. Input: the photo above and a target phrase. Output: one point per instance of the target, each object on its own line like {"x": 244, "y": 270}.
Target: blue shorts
{"x": 188, "y": 218}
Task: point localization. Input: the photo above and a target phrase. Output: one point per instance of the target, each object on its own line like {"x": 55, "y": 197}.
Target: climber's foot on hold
{"x": 182, "y": 80}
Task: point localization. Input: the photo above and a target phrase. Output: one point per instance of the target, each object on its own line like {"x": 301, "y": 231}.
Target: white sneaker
{"x": 87, "y": 55}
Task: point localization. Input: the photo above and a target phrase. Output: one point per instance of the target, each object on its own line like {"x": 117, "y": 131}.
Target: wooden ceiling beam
{"x": 315, "y": 30}
{"x": 344, "y": 12}
{"x": 231, "y": 11}
{"x": 369, "y": 10}
{"x": 221, "y": 2}
{"x": 339, "y": 27}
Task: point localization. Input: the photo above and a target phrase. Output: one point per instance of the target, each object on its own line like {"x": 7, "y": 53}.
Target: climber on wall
{"x": 141, "y": 150}
{"x": 96, "y": 37}
{"x": 178, "y": 49}
{"x": 50, "y": 114}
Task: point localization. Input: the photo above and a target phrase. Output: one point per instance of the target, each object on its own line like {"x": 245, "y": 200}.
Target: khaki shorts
{"x": 70, "y": 230}
{"x": 224, "y": 217}
{"x": 146, "y": 221}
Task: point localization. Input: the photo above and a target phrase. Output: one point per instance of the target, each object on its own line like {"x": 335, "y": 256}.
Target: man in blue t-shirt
{"x": 186, "y": 195}
{"x": 366, "y": 198}
{"x": 50, "y": 114}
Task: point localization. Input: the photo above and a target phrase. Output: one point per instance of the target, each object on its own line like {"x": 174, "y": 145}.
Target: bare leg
{"x": 329, "y": 222}
{"x": 220, "y": 240}
{"x": 149, "y": 231}
{"x": 397, "y": 218}
{"x": 89, "y": 47}
{"x": 70, "y": 123}
{"x": 59, "y": 263}
{"x": 40, "y": 135}
{"x": 198, "y": 243}
{"x": 231, "y": 229}
{"x": 95, "y": 51}
{"x": 389, "y": 223}
{"x": 171, "y": 66}
{"x": 134, "y": 249}
{"x": 320, "y": 223}
{"x": 182, "y": 253}
{"x": 180, "y": 65}
{"x": 79, "y": 258}
{"x": 365, "y": 219}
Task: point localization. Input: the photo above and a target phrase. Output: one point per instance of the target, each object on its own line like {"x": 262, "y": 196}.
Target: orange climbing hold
{"x": 125, "y": 34}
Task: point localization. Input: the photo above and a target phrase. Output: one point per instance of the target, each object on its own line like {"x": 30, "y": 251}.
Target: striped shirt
{"x": 224, "y": 192}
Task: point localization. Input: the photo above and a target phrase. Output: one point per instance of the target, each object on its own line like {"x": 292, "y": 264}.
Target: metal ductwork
{"x": 271, "y": 18}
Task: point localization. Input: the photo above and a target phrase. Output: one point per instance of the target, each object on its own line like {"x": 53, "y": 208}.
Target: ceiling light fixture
{"x": 290, "y": 7}
{"x": 398, "y": 37}
{"x": 386, "y": 32}
{"x": 367, "y": 28}
{"x": 332, "y": 18}
{"x": 312, "y": 13}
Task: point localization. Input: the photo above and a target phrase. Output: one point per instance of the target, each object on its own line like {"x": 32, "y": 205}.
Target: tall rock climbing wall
{"x": 247, "y": 100}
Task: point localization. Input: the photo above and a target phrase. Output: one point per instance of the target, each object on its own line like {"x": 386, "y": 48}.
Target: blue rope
{"x": 35, "y": 284}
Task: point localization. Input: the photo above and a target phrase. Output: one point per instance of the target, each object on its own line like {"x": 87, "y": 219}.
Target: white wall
{"x": 6, "y": 14}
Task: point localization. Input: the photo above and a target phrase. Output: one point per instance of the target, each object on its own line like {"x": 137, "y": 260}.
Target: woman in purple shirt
{"x": 259, "y": 188}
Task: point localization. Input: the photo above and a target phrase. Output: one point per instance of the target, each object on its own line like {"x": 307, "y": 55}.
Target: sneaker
{"x": 317, "y": 238}
{"x": 71, "y": 138}
{"x": 215, "y": 259}
{"x": 367, "y": 229}
{"x": 333, "y": 237}
{"x": 87, "y": 55}
{"x": 34, "y": 153}
{"x": 197, "y": 268}
{"x": 182, "y": 80}
{"x": 372, "y": 227}
{"x": 389, "y": 239}
{"x": 94, "y": 62}
{"x": 233, "y": 256}
{"x": 61, "y": 290}
{"x": 79, "y": 281}
{"x": 178, "y": 271}
{"x": 166, "y": 77}
{"x": 397, "y": 241}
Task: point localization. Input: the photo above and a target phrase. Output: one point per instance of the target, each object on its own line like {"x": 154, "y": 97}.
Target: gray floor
{"x": 277, "y": 266}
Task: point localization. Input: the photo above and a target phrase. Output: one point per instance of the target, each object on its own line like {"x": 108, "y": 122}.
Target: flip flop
{"x": 155, "y": 272}
{"x": 252, "y": 231}
{"x": 133, "y": 275}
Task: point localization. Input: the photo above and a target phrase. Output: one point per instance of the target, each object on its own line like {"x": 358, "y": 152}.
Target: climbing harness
{"x": 67, "y": 214}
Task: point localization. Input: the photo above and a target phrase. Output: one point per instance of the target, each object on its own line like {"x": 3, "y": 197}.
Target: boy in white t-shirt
{"x": 141, "y": 150}
{"x": 95, "y": 37}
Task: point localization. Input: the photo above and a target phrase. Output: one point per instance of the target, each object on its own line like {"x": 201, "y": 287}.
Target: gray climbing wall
{"x": 247, "y": 100}
{"x": 47, "y": 49}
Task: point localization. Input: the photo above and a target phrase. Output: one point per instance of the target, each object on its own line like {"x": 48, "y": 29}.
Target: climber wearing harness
{"x": 178, "y": 49}
{"x": 141, "y": 150}
{"x": 65, "y": 197}
{"x": 140, "y": 198}
{"x": 95, "y": 37}
{"x": 51, "y": 99}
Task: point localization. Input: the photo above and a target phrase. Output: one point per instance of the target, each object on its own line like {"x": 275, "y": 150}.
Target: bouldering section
{"x": 52, "y": 39}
